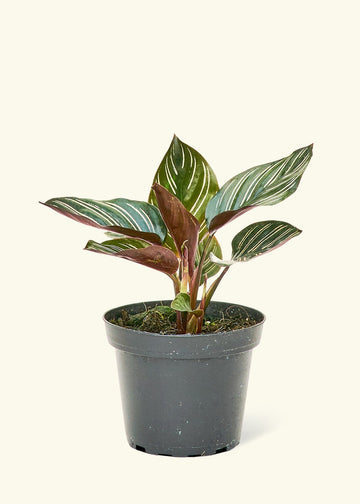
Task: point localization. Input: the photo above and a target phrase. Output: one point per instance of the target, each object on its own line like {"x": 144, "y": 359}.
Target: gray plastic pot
{"x": 183, "y": 395}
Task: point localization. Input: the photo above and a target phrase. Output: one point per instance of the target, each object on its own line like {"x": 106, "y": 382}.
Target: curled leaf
{"x": 153, "y": 256}
{"x": 182, "y": 225}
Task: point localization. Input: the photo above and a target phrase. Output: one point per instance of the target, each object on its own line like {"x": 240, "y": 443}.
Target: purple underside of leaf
{"x": 182, "y": 225}
{"x": 149, "y": 237}
{"x": 153, "y": 256}
{"x": 223, "y": 218}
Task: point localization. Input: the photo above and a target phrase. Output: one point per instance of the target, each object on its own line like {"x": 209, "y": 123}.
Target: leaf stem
{"x": 176, "y": 282}
{"x": 214, "y": 286}
{"x": 202, "y": 307}
{"x": 185, "y": 270}
{"x": 194, "y": 287}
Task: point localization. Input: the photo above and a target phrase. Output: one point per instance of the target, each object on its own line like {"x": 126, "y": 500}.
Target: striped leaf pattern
{"x": 266, "y": 184}
{"x": 257, "y": 239}
{"x": 188, "y": 176}
{"x": 112, "y": 247}
{"x": 129, "y": 217}
{"x": 153, "y": 256}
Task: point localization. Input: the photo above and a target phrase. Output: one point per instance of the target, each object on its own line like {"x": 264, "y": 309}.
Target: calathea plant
{"x": 174, "y": 232}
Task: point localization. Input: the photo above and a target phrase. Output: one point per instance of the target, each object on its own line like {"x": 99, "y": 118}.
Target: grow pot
{"x": 183, "y": 395}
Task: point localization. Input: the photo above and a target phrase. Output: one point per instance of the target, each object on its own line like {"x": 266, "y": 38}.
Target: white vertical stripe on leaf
{"x": 182, "y": 157}
{"x": 169, "y": 178}
{"x": 206, "y": 180}
{"x": 193, "y": 165}
{"x": 173, "y": 164}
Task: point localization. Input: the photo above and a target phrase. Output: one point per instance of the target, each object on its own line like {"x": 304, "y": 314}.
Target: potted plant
{"x": 183, "y": 363}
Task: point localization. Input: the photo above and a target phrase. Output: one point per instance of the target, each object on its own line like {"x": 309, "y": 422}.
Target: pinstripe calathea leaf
{"x": 129, "y": 217}
{"x": 188, "y": 176}
{"x": 266, "y": 184}
{"x": 257, "y": 239}
{"x": 116, "y": 244}
{"x": 154, "y": 256}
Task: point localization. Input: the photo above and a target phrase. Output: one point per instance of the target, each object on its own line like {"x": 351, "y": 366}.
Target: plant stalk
{"x": 185, "y": 271}
{"x": 176, "y": 283}
{"x": 202, "y": 307}
{"x": 195, "y": 283}
{"x": 214, "y": 286}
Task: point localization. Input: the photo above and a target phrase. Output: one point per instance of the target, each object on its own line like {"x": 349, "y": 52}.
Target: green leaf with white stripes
{"x": 154, "y": 256}
{"x": 116, "y": 245}
{"x": 132, "y": 218}
{"x": 266, "y": 184}
{"x": 189, "y": 177}
{"x": 257, "y": 239}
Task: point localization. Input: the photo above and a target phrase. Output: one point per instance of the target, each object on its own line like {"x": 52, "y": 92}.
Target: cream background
{"x": 92, "y": 93}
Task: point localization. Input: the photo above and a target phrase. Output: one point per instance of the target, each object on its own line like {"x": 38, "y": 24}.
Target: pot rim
{"x": 166, "y": 302}
{"x": 184, "y": 346}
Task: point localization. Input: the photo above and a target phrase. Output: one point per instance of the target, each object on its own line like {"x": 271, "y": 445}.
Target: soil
{"x": 162, "y": 320}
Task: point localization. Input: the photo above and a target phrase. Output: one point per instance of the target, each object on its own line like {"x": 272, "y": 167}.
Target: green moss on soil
{"x": 162, "y": 320}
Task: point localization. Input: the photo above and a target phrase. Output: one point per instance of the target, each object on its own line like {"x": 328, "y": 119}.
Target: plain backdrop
{"x": 91, "y": 95}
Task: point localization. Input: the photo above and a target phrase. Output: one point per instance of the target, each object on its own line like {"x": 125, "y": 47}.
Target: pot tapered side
{"x": 184, "y": 395}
